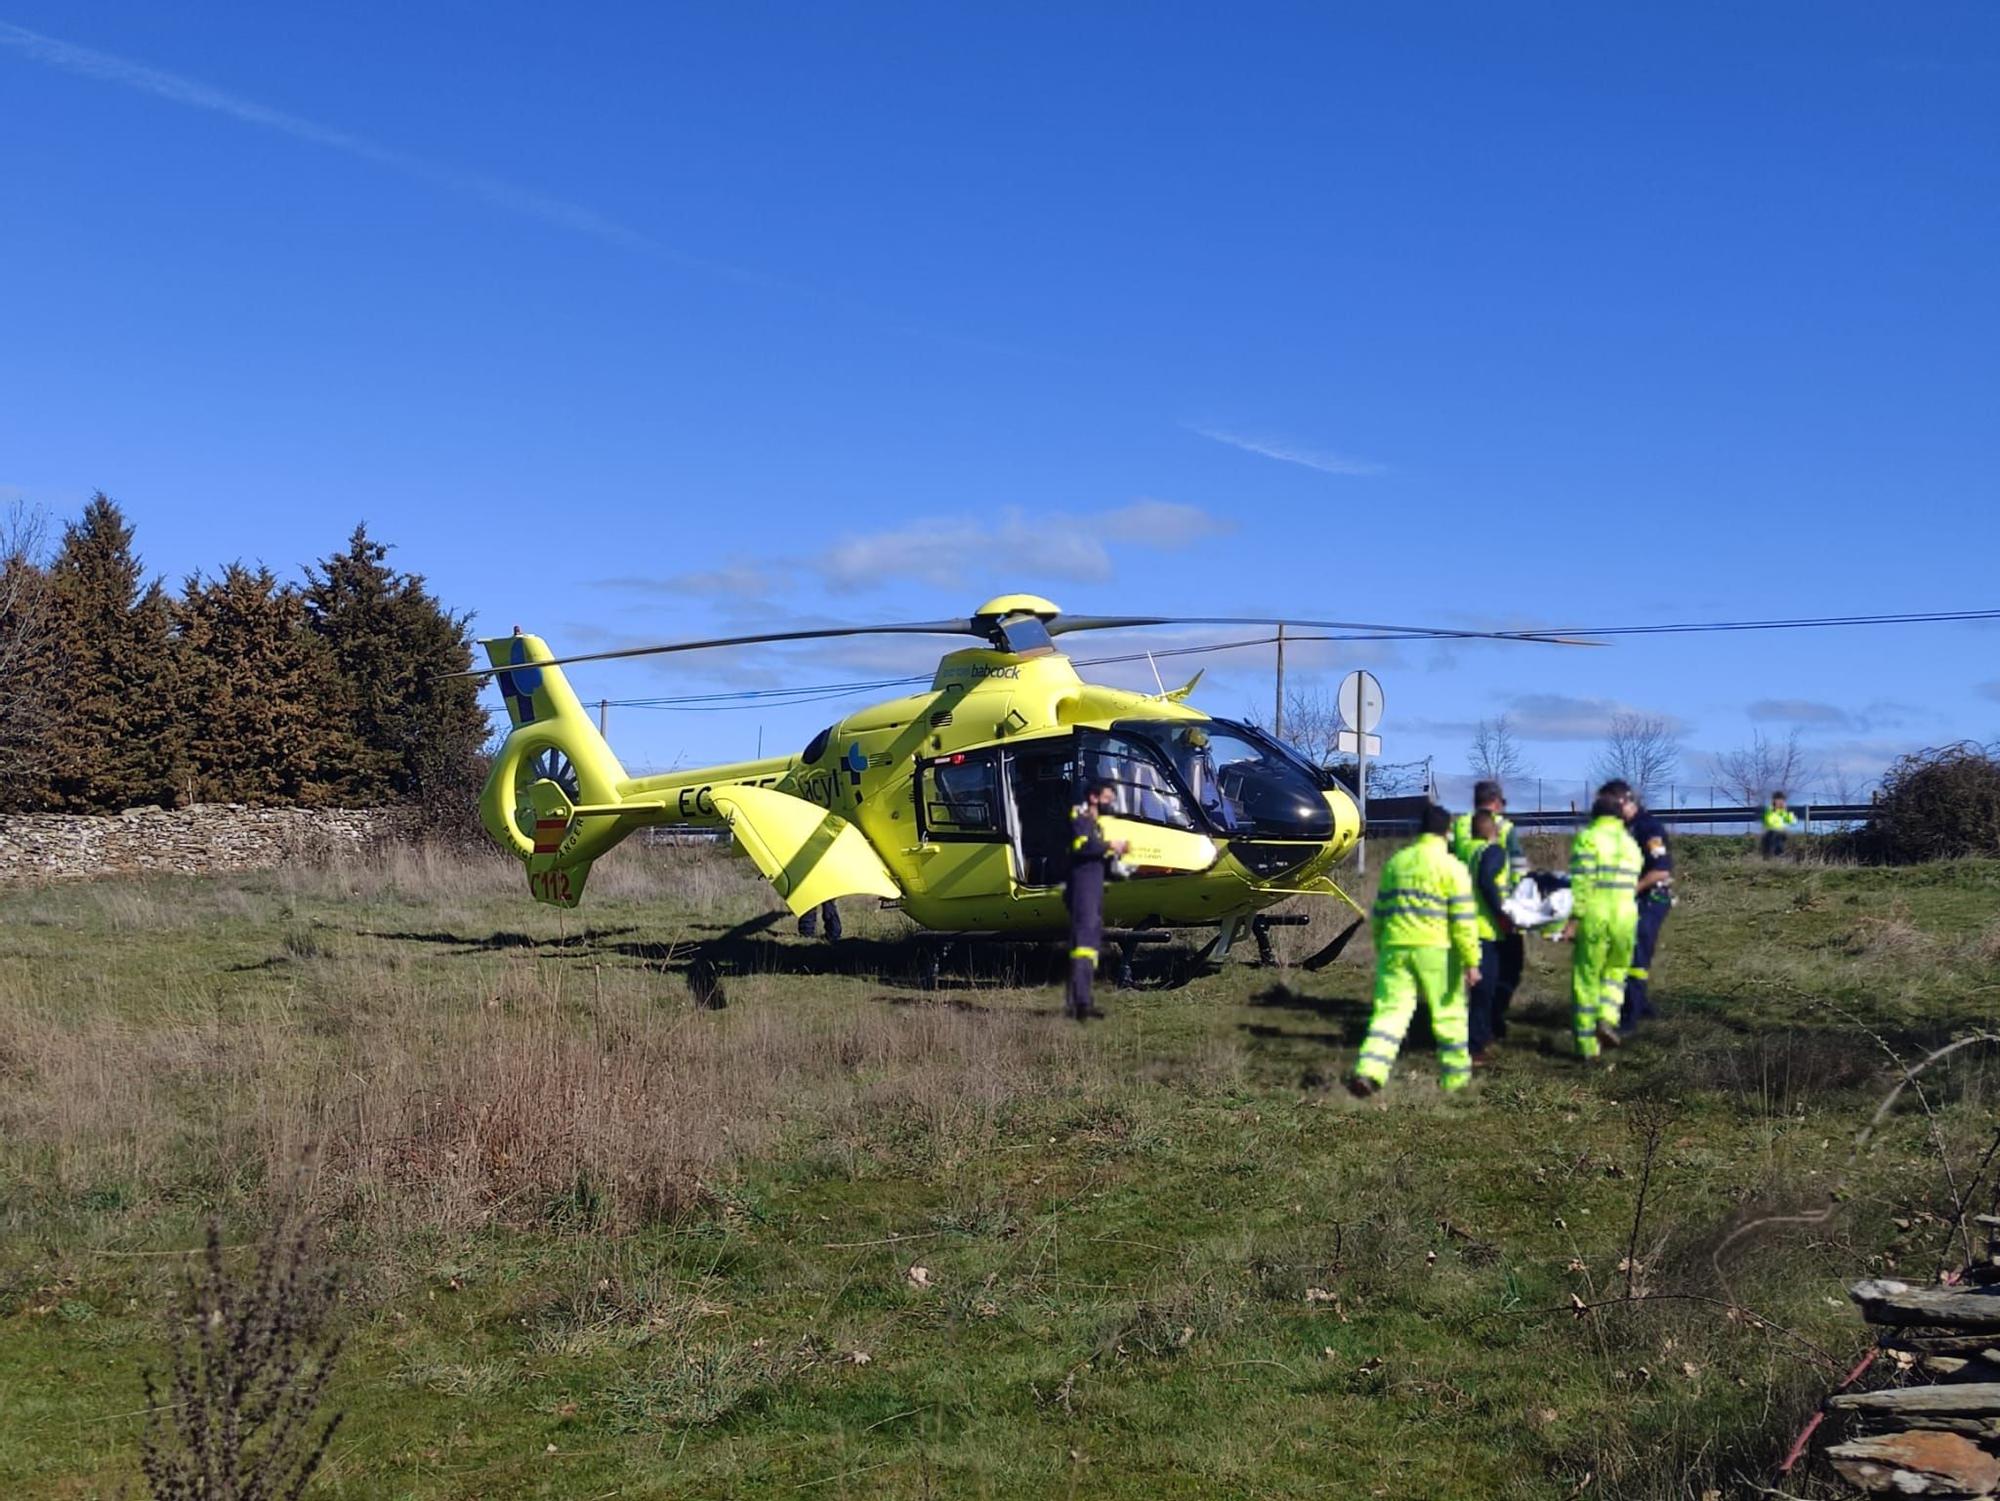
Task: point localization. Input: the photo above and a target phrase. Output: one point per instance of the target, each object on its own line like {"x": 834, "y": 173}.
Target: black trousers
{"x": 1510, "y": 954}
{"x": 1085, "y": 898}
{"x": 1638, "y": 1003}
{"x": 809, "y": 921}
{"x": 1479, "y": 1000}
{"x": 1774, "y": 844}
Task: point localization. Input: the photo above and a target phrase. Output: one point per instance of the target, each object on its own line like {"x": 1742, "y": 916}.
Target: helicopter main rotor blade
{"x": 824, "y": 633}
{"x": 1064, "y": 624}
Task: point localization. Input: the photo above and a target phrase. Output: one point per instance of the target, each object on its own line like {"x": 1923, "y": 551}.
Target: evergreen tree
{"x": 113, "y": 693}
{"x": 270, "y": 716}
{"x": 27, "y": 663}
{"x": 421, "y": 734}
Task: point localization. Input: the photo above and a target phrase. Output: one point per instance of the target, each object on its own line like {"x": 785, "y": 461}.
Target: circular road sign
{"x": 1361, "y": 702}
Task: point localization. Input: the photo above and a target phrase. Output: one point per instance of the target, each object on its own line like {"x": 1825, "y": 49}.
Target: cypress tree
{"x": 113, "y": 696}
{"x": 271, "y": 715}
{"x": 420, "y": 735}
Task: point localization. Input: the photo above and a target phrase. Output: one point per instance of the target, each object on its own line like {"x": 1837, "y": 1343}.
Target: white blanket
{"x": 1534, "y": 905}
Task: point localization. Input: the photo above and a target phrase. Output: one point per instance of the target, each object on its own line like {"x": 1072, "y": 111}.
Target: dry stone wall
{"x": 39, "y": 847}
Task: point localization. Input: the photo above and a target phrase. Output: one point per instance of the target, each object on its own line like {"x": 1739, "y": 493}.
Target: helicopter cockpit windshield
{"x": 1243, "y": 781}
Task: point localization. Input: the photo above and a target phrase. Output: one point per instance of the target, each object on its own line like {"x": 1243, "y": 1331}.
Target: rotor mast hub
{"x": 1016, "y": 623}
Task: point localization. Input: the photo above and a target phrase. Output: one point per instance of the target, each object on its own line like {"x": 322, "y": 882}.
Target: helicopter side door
{"x": 1041, "y": 782}
{"x": 962, "y": 823}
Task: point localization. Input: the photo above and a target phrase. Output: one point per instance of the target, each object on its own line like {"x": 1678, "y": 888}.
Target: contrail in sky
{"x": 105, "y": 68}
{"x": 1286, "y": 452}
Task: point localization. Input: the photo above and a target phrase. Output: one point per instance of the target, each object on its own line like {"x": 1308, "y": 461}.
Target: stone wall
{"x": 37, "y": 847}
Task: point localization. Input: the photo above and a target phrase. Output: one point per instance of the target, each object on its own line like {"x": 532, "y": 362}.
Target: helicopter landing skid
{"x": 1260, "y": 929}
{"x": 934, "y": 949}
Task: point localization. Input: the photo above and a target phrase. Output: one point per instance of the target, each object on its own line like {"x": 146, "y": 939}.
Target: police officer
{"x": 1656, "y": 900}
{"x": 1486, "y": 863}
{"x": 1424, "y": 918}
{"x": 1089, "y": 853}
{"x": 1603, "y": 875}
{"x": 1778, "y": 821}
{"x": 1510, "y": 949}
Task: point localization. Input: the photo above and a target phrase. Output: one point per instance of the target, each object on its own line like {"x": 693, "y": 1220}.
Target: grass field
{"x": 831, "y": 1234}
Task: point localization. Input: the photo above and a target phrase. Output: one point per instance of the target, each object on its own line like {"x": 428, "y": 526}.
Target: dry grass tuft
{"x": 1892, "y": 936}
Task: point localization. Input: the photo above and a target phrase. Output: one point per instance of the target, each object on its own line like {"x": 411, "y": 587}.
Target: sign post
{"x": 1360, "y": 701}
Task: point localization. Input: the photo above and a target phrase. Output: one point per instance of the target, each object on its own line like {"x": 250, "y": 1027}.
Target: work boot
{"x": 1362, "y": 1088}
{"x": 1609, "y": 1036}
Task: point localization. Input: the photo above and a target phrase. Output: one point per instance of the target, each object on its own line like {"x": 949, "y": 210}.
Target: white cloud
{"x": 1558, "y": 716}
{"x": 726, "y": 581}
{"x": 1325, "y": 460}
{"x": 944, "y": 552}
{"x": 1800, "y": 711}
{"x": 1811, "y": 714}
{"x": 947, "y": 552}
{"x": 1163, "y": 524}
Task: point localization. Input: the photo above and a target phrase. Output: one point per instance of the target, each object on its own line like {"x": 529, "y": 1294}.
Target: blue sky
{"x": 649, "y": 321}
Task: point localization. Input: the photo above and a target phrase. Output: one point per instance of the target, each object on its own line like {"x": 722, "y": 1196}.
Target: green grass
{"x": 600, "y": 1241}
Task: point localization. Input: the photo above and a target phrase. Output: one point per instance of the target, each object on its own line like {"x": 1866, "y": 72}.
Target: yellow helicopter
{"x": 953, "y": 803}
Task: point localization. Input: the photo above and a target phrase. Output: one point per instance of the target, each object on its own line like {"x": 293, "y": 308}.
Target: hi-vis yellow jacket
{"x": 1604, "y": 872}
{"x": 1425, "y": 902}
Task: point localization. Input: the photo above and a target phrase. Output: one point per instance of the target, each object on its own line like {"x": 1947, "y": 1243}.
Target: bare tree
{"x": 1312, "y": 723}
{"x": 1642, "y": 749}
{"x": 1764, "y": 766}
{"x": 25, "y": 671}
{"x": 1496, "y": 754}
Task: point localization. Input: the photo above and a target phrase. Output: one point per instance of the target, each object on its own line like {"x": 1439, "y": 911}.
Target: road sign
{"x": 1360, "y": 701}
{"x": 1350, "y": 744}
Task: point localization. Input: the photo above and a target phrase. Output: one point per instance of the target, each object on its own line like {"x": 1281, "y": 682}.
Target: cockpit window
{"x": 1243, "y": 782}
{"x": 1141, "y": 785}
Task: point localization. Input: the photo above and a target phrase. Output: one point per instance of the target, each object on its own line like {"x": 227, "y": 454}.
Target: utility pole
{"x": 1361, "y": 797}
{"x": 604, "y": 716}
{"x": 1278, "y": 703}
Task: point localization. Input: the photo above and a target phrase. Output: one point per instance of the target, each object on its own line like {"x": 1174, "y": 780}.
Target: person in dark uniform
{"x": 810, "y": 919}
{"x": 1089, "y": 853}
{"x": 1486, "y": 862}
{"x": 1510, "y": 949}
{"x": 1655, "y": 896}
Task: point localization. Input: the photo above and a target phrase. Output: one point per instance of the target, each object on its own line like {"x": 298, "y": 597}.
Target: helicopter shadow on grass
{"x": 913, "y": 969}
{"x": 498, "y": 943}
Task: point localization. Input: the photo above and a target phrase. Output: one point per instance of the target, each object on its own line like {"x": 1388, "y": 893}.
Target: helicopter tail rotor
{"x": 552, "y": 759}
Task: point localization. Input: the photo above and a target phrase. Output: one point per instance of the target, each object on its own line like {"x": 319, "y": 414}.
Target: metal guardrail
{"x": 1402, "y": 820}
{"x": 1809, "y": 813}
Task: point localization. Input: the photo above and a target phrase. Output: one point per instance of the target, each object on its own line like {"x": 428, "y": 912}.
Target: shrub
{"x": 249, "y": 1363}
{"x": 1941, "y": 804}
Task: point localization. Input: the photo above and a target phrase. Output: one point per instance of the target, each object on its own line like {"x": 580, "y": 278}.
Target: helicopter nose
{"x": 1346, "y": 822}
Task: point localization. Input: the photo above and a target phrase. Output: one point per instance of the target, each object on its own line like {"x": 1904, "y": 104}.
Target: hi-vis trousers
{"x": 1603, "y": 953}
{"x": 1402, "y": 977}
